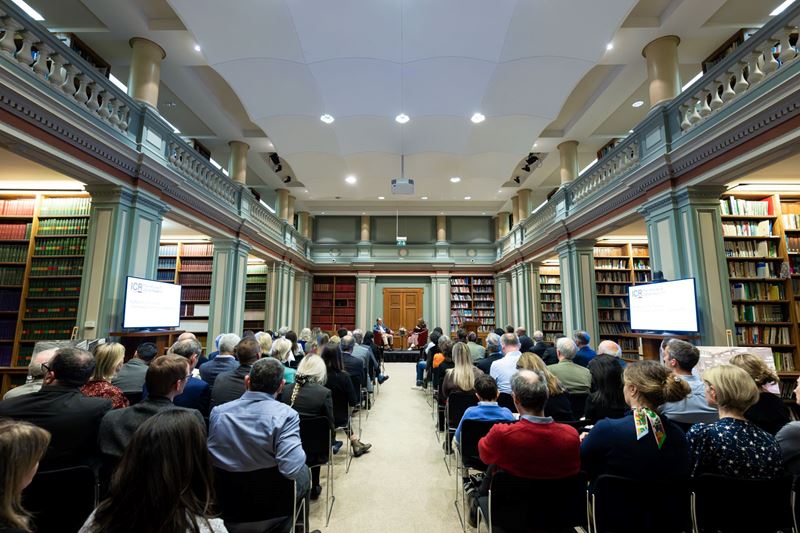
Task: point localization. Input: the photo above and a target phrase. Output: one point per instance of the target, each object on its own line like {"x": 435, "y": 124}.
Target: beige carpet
{"x": 401, "y": 484}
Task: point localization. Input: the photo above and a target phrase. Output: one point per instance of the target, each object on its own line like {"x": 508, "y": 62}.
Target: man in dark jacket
{"x": 546, "y": 351}
{"x": 493, "y": 353}
{"x": 130, "y": 378}
{"x": 229, "y": 385}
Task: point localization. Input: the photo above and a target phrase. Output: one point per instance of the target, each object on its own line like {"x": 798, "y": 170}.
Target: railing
{"x": 193, "y": 166}
{"x": 622, "y": 159}
{"x": 264, "y": 218}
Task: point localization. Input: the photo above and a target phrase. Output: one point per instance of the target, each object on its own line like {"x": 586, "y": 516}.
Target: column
{"x": 578, "y": 290}
{"x": 441, "y": 228}
{"x": 568, "y": 154}
{"x": 281, "y": 295}
{"x": 123, "y": 240}
{"x": 145, "y": 73}
{"x": 303, "y": 221}
{"x": 228, "y": 284}
{"x": 282, "y": 204}
{"x": 440, "y": 301}
{"x": 302, "y": 301}
{"x": 502, "y": 218}
{"x": 365, "y": 228}
{"x": 514, "y": 210}
{"x": 685, "y": 237}
{"x": 663, "y": 75}
{"x": 521, "y": 296}
{"x": 535, "y": 320}
{"x": 524, "y": 204}
{"x": 290, "y": 210}
{"x": 365, "y": 300}
{"x": 237, "y": 163}
{"x": 502, "y": 315}
{"x": 496, "y": 222}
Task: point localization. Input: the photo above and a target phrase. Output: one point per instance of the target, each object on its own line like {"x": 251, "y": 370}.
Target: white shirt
{"x": 502, "y": 370}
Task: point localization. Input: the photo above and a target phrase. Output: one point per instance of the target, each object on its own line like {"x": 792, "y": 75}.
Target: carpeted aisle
{"x": 401, "y": 484}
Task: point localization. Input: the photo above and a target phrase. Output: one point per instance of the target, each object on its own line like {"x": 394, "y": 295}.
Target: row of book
{"x": 65, "y": 207}
{"x": 460, "y": 305}
{"x": 757, "y": 290}
{"x": 612, "y": 301}
{"x": 9, "y": 299}
{"x": 8, "y": 329}
{"x": 763, "y": 335}
{"x": 614, "y": 315}
{"x": 791, "y": 221}
{"x": 257, "y": 269}
{"x": 752, "y": 269}
{"x": 612, "y": 276}
{"x": 197, "y": 249}
{"x": 61, "y": 329}
{"x": 194, "y": 278}
{"x": 55, "y": 267}
{"x": 609, "y": 328}
{"x": 5, "y": 355}
{"x": 167, "y": 262}
{"x": 747, "y": 228}
{"x": 484, "y": 298}
{"x": 15, "y": 232}
{"x": 621, "y": 264}
{"x": 549, "y": 280}
{"x": 554, "y": 326}
{"x": 328, "y": 287}
{"x": 60, "y": 246}
{"x": 556, "y": 307}
{"x": 198, "y": 310}
{"x": 639, "y": 251}
{"x": 168, "y": 249}
{"x": 609, "y": 251}
{"x": 63, "y": 226}
{"x": 551, "y": 317}
{"x": 484, "y": 305}
{"x": 641, "y": 277}
{"x": 751, "y": 249}
{"x": 641, "y": 264}
{"x": 759, "y": 313}
{"x": 486, "y": 289}
{"x": 166, "y": 275}
{"x": 196, "y": 265}
{"x": 256, "y": 279}
{"x": 17, "y": 207}
{"x": 196, "y": 293}
{"x": 11, "y": 276}
{"x": 460, "y": 289}
{"x": 51, "y": 309}
{"x": 628, "y": 345}
{"x": 13, "y": 253}
{"x": 54, "y": 287}
{"x": 455, "y": 297}
{"x": 793, "y": 244}
{"x": 612, "y": 290}
{"x": 734, "y": 206}
{"x": 551, "y": 297}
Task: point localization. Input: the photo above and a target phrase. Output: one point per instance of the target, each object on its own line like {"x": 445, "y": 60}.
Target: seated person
{"x": 585, "y": 352}
{"x": 789, "y": 440}
{"x": 558, "y": 405}
{"x": 504, "y": 368}
{"x": 442, "y": 361}
{"x": 642, "y": 444}
{"x": 492, "y": 354}
{"x": 225, "y": 360}
{"x": 681, "y": 357}
{"x": 611, "y": 348}
{"x": 130, "y": 377}
{"x": 487, "y": 408}
{"x": 546, "y": 351}
{"x": 281, "y": 350}
{"x": 341, "y": 386}
{"x": 385, "y": 332}
{"x": 413, "y": 338}
{"x": 22, "y": 446}
{"x": 108, "y": 360}
{"x": 229, "y": 385}
{"x": 607, "y": 399}
{"x": 461, "y": 377}
{"x": 422, "y": 364}
{"x": 575, "y": 378}
{"x": 43, "y": 354}
{"x": 769, "y": 412}
{"x": 196, "y": 392}
{"x": 733, "y": 446}
{"x": 476, "y": 351}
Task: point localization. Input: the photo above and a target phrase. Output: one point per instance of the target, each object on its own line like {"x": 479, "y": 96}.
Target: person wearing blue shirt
{"x": 487, "y": 409}
{"x": 681, "y": 357}
{"x": 585, "y": 352}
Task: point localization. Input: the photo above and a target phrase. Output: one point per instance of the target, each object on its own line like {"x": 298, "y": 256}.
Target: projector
{"x": 402, "y": 186}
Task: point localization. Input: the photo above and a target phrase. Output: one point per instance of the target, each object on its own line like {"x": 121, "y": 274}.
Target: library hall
{"x": 406, "y": 266}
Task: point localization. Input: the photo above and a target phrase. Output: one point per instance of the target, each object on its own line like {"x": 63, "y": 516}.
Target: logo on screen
{"x": 636, "y": 293}
{"x": 136, "y": 286}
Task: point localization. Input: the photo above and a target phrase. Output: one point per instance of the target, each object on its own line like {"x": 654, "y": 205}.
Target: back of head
{"x": 266, "y": 375}
{"x": 281, "y": 348}
{"x": 146, "y": 351}
{"x": 72, "y": 367}
{"x": 311, "y": 370}
{"x": 282, "y": 331}
{"x": 509, "y": 342}
{"x": 684, "y": 353}
{"x": 292, "y": 336}
{"x": 336, "y": 340}
{"x": 530, "y": 361}
{"x": 247, "y": 351}
{"x": 166, "y": 469}
{"x": 486, "y": 388}
{"x": 493, "y": 342}
{"x": 22, "y": 445}
{"x": 520, "y": 331}
{"x": 756, "y": 367}
{"x": 305, "y": 335}
{"x": 461, "y": 356}
{"x": 265, "y": 341}
{"x": 606, "y": 373}
{"x": 368, "y": 337}
{"x": 581, "y": 338}
{"x": 435, "y": 336}
{"x": 445, "y": 345}
{"x": 342, "y": 332}
{"x": 187, "y": 348}
{"x": 566, "y": 348}
{"x": 438, "y": 330}
{"x": 228, "y": 342}
{"x": 347, "y": 343}
{"x": 499, "y": 332}
{"x": 186, "y": 336}
{"x": 461, "y": 335}
{"x": 608, "y": 347}
{"x": 35, "y": 368}
{"x": 330, "y": 355}
{"x": 733, "y": 387}
{"x": 107, "y": 358}
{"x": 509, "y": 329}
{"x": 163, "y": 372}
{"x": 530, "y": 389}
{"x": 358, "y": 336}
{"x": 472, "y": 337}
{"x": 655, "y": 383}
{"x": 538, "y": 336}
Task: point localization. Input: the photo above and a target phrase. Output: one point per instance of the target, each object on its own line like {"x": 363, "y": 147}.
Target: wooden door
{"x": 401, "y": 308}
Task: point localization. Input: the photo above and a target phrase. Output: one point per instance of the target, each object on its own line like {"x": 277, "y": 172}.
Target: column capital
{"x": 566, "y": 145}
{"x": 575, "y": 245}
{"x": 145, "y": 72}
{"x": 230, "y": 244}
{"x": 143, "y": 42}
{"x": 665, "y": 40}
{"x": 663, "y": 74}
{"x": 699, "y": 194}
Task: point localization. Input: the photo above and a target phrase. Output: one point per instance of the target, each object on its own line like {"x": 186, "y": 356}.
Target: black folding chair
{"x": 360, "y": 392}
{"x": 578, "y": 402}
{"x": 342, "y": 412}
{"x": 315, "y": 436}
{"x": 608, "y": 491}
{"x": 61, "y": 500}
{"x": 133, "y": 397}
{"x": 507, "y": 401}
{"x": 457, "y": 403}
{"x": 769, "y": 504}
{"x": 259, "y": 496}
{"x": 558, "y": 504}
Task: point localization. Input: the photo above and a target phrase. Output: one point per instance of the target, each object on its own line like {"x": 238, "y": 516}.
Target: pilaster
{"x": 578, "y": 289}
{"x": 502, "y": 315}
{"x": 228, "y": 284}
{"x": 535, "y": 320}
{"x": 281, "y": 296}
{"x": 440, "y": 301}
{"x": 365, "y": 298}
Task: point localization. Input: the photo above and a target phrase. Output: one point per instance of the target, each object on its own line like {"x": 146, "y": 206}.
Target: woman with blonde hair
{"x": 280, "y": 351}
{"x": 108, "y": 360}
{"x": 769, "y": 412}
{"x": 22, "y": 446}
{"x": 733, "y": 446}
{"x": 460, "y": 378}
{"x": 558, "y": 405}
{"x": 265, "y": 341}
{"x": 304, "y": 339}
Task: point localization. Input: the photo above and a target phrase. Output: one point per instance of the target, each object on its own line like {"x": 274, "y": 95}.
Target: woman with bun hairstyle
{"x": 643, "y": 444}
{"x": 769, "y": 412}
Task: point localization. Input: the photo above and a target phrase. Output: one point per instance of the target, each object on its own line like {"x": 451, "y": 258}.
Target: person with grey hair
{"x": 36, "y": 371}
{"x": 502, "y": 369}
{"x": 576, "y": 379}
{"x": 364, "y": 353}
{"x": 386, "y": 333}
{"x": 476, "y": 351}
{"x": 546, "y": 351}
{"x": 493, "y": 353}
{"x": 681, "y": 357}
{"x": 609, "y": 347}
{"x": 224, "y": 361}
{"x": 352, "y": 364}
{"x": 585, "y": 352}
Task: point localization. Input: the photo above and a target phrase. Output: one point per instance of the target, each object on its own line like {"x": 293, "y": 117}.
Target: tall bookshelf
{"x": 618, "y": 266}
{"x": 472, "y": 300}
{"x": 550, "y": 302}
{"x": 333, "y": 303}
{"x": 255, "y": 296}
{"x": 42, "y": 247}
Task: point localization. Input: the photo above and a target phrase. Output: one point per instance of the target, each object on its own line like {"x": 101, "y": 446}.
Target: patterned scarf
{"x": 641, "y": 416}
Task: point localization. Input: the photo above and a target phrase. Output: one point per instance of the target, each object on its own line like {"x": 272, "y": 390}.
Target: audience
{"x": 59, "y": 407}
{"x": 130, "y": 377}
{"x": 108, "y": 360}
{"x": 304, "y": 339}
{"x": 426, "y": 358}
{"x": 546, "y": 351}
{"x": 352, "y": 364}
{"x": 196, "y": 392}
{"x": 525, "y": 342}
{"x": 789, "y": 439}
{"x": 502, "y": 369}
{"x": 229, "y": 385}
{"x": 732, "y": 446}
{"x": 493, "y": 353}
{"x": 611, "y": 348}
{"x": 607, "y": 399}
{"x": 36, "y": 371}
{"x": 460, "y": 378}
{"x": 201, "y": 359}
{"x": 224, "y": 361}
{"x": 575, "y": 378}
{"x": 558, "y": 404}
{"x": 164, "y": 481}
{"x": 487, "y": 409}
{"x": 22, "y": 446}
{"x": 769, "y": 412}
{"x": 681, "y": 357}
{"x": 281, "y": 350}
{"x": 476, "y": 351}
{"x": 585, "y": 352}
{"x": 341, "y": 387}
{"x": 624, "y": 447}
{"x": 166, "y": 377}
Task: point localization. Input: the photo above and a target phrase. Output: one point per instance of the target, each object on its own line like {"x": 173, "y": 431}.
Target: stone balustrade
{"x": 623, "y": 159}
{"x": 191, "y": 165}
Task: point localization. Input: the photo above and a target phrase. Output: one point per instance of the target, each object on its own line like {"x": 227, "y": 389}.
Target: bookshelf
{"x": 333, "y": 303}
{"x": 255, "y": 297}
{"x": 42, "y": 247}
{"x": 618, "y": 266}
{"x": 550, "y": 302}
{"x": 472, "y": 300}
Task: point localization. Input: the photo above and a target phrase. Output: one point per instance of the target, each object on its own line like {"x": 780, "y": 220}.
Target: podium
{"x": 131, "y": 339}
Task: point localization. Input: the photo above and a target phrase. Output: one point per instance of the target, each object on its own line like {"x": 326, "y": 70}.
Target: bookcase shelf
{"x": 472, "y": 300}
{"x": 333, "y": 303}
{"x": 255, "y": 297}
{"x": 550, "y": 302}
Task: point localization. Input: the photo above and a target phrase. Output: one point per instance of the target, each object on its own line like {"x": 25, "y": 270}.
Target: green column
{"x": 502, "y": 315}
{"x": 440, "y": 300}
{"x": 303, "y": 300}
{"x": 536, "y": 299}
{"x": 685, "y": 235}
{"x": 228, "y": 284}
{"x": 365, "y": 298}
{"x": 281, "y": 294}
{"x": 578, "y": 289}
{"x": 521, "y": 296}
{"x": 124, "y": 234}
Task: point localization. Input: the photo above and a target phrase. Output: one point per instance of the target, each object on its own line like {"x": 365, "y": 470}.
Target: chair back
{"x": 422, "y": 338}
{"x": 377, "y": 338}
{"x": 769, "y": 504}
{"x": 341, "y": 406}
{"x": 560, "y": 503}
{"x": 473, "y": 431}
{"x": 507, "y": 401}
{"x": 133, "y": 397}
{"x": 577, "y": 401}
{"x": 254, "y": 496}
{"x": 315, "y": 436}
{"x": 61, "y": 500}
{"x": 608, "y": 491}
{"x": 457, "y": 403}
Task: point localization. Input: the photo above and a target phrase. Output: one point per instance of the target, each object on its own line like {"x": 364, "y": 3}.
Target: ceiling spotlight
{"x": 610, "y": 46}
{"x": 468, "y": 198}
{"x": 526, "y": 168}
{"x": 535, "y": 145}
{"x": 274, "y": 158}
{"x": 197, "y": 48}
{"x": 630, "y": 131}
{"x": 455, "y": 179}
{"x": 326, "y": 118}
{"x": 638, "y": 103}
{"x": 516, "y": 179}
{"x": 477, "y": 118}
{"x": 322, "y": 213}
{"x": 402, "y": 118}
{"x": 278, "y": 168}
{"x": 351, "y": 180}
{"x": 306, "y": 190}
{"x": 531, "y": 159}
{"x": 483, "y": 213}
{"x": 287, "y": 179}
{"x": 424, "y": 198}
{"x": 381, "y": 198}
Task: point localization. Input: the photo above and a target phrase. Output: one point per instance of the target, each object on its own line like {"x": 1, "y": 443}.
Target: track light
{"x": 277, "y": 168}
{"x": 531, "y": 159}
{"x": 287, "y": 179}
{"x": 526, "y": 168}
{"x": 516, "y": 180}
{"x": 274, "y": 158}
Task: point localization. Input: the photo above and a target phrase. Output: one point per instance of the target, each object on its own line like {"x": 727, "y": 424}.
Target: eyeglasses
{"x": 47, "y": 367}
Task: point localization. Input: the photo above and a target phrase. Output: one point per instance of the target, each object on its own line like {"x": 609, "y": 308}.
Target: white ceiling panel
{"x": 358, "y": 86}
{"x": 365, "y": 133}
{"x": 445, "y": 86}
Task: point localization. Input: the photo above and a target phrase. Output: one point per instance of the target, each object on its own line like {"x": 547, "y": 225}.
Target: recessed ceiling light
{"x": 363, "y": 212}
{"x": 477, "y": 118}
{"x": 326, "y": 118}
{"x": 535, "y": 145}
{"x": 306, "y": 190}
{"x": 197, "y": 48}
{"x": 501, "y": 190}
{"x": 468, "y": 198}
{"x": 424, "y": 197}
{"x": 402, "y": 118}
{"x": 455, "y": 179}
{"x": 381, "y": 198}
{"x": 610, "y": 46}
{"x": 638, "y": 103}
{"x": 441, "y": 212}
{"x": 351, "y": 180}
{"x": 630, "y": 131}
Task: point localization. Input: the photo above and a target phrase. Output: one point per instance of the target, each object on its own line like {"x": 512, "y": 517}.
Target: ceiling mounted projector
{"x": 402, "y": 186}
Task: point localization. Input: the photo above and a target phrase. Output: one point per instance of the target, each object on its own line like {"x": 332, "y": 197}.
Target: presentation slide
{"x": 151, "y": 304}
{"x": 668, "y": 306}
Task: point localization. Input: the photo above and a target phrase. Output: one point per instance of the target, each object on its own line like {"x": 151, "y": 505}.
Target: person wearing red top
{"x": 108, "y": 360}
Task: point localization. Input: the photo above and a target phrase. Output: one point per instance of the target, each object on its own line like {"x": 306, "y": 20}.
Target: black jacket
{"x": 485, "y": 363}
{"x": 355, "y": 367}
{"x": 546, "y": 352}
{"x": 229, "y": 386}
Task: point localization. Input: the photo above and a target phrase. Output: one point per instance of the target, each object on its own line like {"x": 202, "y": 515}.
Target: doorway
{"x": 401, "y": 308}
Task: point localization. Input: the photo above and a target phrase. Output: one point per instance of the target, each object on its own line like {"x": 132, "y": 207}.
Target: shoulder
{"x": 701, "y": 430}
{"x": 211, "y": 525}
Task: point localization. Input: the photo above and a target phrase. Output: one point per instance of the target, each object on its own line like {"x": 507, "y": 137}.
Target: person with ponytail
{"x": 22, "y": 446}
{"x": 769, "y": 412}
{"x": 309, "y": 397}
{"x": 643, "y": 444}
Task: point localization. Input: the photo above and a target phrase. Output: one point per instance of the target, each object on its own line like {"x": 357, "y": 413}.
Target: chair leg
{"x": 329, "y": 496}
